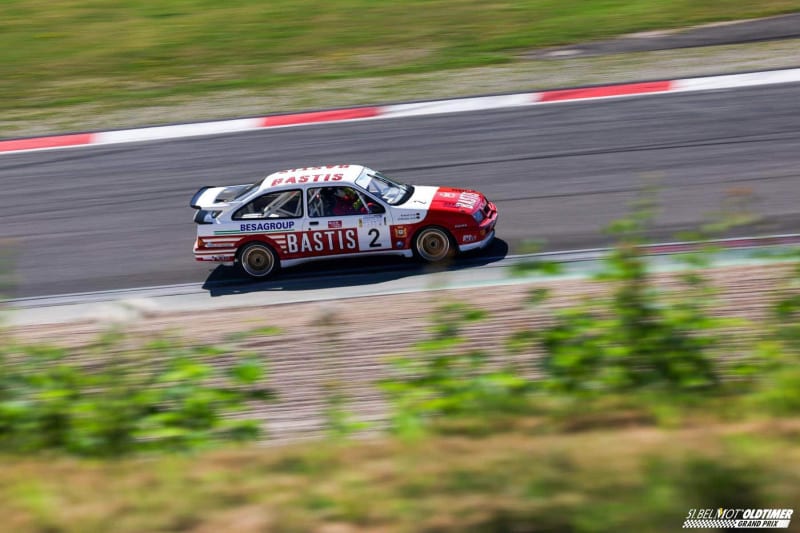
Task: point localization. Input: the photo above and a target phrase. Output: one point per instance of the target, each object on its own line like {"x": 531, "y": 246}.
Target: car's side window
{"x": 283, "y": 204}
{"x": 373, "y": 206}
{"x": 340, "y": 201}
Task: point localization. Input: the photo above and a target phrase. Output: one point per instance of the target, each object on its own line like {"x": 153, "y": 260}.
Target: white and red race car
{"x": 302, "y": 214}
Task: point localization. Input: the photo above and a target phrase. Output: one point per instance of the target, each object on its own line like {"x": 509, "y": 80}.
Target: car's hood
{"x": 443, "y": 199}
{"x": 456, "y": 200}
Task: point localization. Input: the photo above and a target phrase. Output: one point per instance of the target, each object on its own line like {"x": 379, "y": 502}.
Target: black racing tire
{"x": 434, "y": 245}
{"x": 258, "y": 260}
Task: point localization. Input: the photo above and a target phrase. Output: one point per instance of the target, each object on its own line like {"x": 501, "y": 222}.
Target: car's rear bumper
{"x": 215, "y": 257}
{"x": 221, "y": 252}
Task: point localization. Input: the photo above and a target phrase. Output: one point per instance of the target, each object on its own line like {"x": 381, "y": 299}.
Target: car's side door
{"x": 272, "y": 217}
{"x": 344, "y": 220}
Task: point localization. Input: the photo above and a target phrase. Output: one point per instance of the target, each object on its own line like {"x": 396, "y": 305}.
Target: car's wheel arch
{"x": 263, "y": 239}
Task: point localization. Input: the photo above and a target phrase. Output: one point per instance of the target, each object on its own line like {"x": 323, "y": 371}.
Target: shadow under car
{"x": 345, "y": 272}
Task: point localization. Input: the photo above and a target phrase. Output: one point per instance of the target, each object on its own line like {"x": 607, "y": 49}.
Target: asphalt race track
{"x": 110, "y": 217}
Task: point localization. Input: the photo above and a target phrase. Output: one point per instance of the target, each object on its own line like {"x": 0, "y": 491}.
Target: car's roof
{"x": 329, "y": 174}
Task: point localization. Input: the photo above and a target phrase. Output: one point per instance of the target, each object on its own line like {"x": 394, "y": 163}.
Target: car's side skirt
{"x": 300, "y": 260}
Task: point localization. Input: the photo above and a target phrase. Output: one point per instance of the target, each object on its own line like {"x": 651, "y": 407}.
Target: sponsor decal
{"x": 370, "y": 221}
{"x": 306, "y": 178}
{"x": 334, "y": 224}
{"x": 322, "y": 241}
{"x": 325, "y": 167}
{"x": 458, "y": 226}
{"x": 280, "y": 225}
{"x": 399, "y": 244}
{"x": 468, "y": 199}
{"x": 469, "y": 238}
{"x": 738, "y": 518}
{"x": 409, "y": 216}
{"x": 400, "y": 231}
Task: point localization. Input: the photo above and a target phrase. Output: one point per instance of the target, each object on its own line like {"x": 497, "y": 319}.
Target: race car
{"x": 304, "y": 214}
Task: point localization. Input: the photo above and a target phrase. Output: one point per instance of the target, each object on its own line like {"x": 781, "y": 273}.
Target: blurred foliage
{"x": 340, "y": 421}
{"x": 162, "y": 396}
{"x": 640, "y": 336}
{"x": 776, "y": 365}
{"x": 444, "y": 380}
{"x": 643, "y": 351}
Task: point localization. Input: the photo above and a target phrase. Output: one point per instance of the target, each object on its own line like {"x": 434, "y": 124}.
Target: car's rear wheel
{"x": 258, "y": 260}
{"x": 433, "y": 245}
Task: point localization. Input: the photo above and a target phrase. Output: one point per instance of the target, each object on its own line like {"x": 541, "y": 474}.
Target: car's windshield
{"x": 390, "y": 191}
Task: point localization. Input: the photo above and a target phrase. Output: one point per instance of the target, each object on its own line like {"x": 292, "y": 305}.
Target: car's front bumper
{"x": 477, "y": 245}
{"x": 486, "y": 233}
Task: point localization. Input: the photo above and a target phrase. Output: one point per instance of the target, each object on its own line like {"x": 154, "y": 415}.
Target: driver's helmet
{"x": 344, "y": 193}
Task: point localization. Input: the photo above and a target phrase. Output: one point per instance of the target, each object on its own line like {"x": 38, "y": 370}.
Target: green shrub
{"x": 640, "y": 337}
{"x": 775, "y": 373}
{"x": 444, "y": 381}
{"x": 773, "y": 369}
{"x": 117, "y": 401}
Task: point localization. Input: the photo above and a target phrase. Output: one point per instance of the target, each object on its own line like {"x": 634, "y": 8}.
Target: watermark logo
{"x": 738, "y": 518}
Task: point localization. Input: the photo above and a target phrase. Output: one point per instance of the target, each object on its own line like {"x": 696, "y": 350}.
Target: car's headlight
{"x": 478, "y": 216}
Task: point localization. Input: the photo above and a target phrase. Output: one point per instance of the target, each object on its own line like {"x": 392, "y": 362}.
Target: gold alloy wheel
{"x": 258, "y": 260}
{"x": 433, "y": 244}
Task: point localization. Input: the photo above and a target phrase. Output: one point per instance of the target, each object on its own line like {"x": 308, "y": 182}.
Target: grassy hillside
{"x": 123, "y": 54}
{"x": 634, "y": 479}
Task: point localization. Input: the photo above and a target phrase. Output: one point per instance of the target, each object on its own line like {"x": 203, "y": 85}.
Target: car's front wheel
{"x": 258, "y": 260}
{"x": 433, "y": 245}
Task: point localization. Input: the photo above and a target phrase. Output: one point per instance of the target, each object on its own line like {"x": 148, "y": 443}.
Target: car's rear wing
{"x": 216, "y": 197}
{"x": 195, "y": 201}
{"x": 211, "y": 200}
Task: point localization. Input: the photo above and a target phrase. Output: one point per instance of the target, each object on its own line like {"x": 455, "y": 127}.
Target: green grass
{"x": 635, "y": 479}
{"x": 123, "y": 54}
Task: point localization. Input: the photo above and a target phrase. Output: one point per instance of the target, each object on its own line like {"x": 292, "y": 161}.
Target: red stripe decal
{"x": 36, "y": 143}
{"x": 610, "y": 90}
{"x": 320, "y": 116}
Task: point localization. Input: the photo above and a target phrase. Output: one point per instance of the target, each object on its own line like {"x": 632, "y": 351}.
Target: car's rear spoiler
{"x": 211, "y": 200}
{"x": 216, "y": 197}
{"x": 196, "y": 198}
